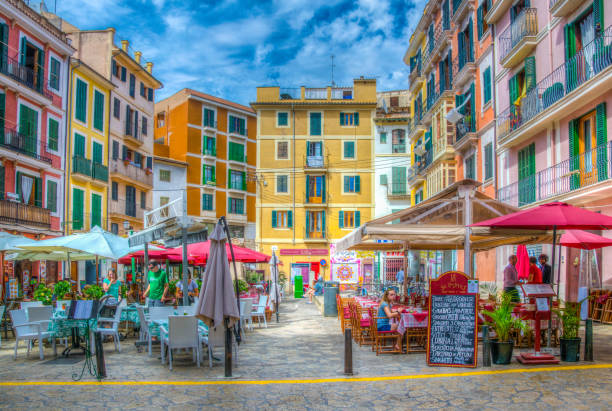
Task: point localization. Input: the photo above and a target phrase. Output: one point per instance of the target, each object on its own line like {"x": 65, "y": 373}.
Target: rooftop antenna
{"x": 332, "y": 71}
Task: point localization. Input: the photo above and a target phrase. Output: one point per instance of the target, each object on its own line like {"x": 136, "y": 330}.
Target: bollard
{"x": 588, "y": 340}
{"x": 101, "y": 365}
{"x": 486, "y": 347}
{"x": 348, "y": 352}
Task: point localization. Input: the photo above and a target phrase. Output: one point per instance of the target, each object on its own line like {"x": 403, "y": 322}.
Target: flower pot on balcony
{"x": 126, "y": 162}
{"x": 149, "y": 171}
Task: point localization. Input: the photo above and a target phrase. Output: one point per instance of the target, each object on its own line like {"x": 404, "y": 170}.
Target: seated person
{"x": 192, "y": 290}
{"x": 318, "y": 287}
{"x": 385, "y": 313}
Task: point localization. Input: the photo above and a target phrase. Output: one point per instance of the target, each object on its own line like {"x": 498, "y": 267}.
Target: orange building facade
{"x": 216, "y": 138}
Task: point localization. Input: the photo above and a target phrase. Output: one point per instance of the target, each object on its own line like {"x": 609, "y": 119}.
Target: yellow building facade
{"x": 315, "y": 170}
{"x": 88, "y": 148}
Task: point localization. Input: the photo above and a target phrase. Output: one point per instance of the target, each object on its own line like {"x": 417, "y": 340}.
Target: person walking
{"x": 546, "y": 269}
{"x": 158, "y": 286}
{"x": 511, "y": 279}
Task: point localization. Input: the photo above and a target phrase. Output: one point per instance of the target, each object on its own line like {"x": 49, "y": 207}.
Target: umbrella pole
{"x": 97, "y": 272}
{"x": 552, "y": 270}
{"x": 184, "y": 266}
{"x": 228, "y": 333}
{"x": 236, "y": 289}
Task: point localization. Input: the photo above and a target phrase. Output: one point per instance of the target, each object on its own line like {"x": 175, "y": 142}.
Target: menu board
{"x": 537, "y": 290}
{"x": 452, "y": 332}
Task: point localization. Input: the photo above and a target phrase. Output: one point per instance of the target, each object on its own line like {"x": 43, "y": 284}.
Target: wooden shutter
{"x": 96, "y": 210}
{"x": 446, "y": 14}
{"x": 442, "y": 77}
{"x": 123, "y": 73}
{"x": 342, "y": 119}
{"x": 244, "y": 180}
{"x": 602, "y": 141}
{"x": 38, "y": 192}
{"x": 323, "y": 188}
{"x": 98, "y": 110}
{"x": 4, "y": 33}
{"x": 323, "y": 223}
{"x": 479, "y": 21}
{"x": 460, "y": 41}
{"x": 2, "y": 182}
{"x": 124, "y": 153}
{"x": 132, "y": 85}
{"x": 128, "y": 120}
{"x": 307, "y": 188}
{"x": 598, "y": 15}
{"x": 315, "y": 124}
{"x": 150, "y": 94}
{"x": 513, "y": 89}
{"x": 357, "y": 218}
{"x": 79, "y": 145}
{"x": 487, "y": 84}
{"x": 274, "y": 220}
{"x": 135, "y": 124}
{"x": 2, "y": 114}
{"x": 530, "y": 72}
{"x": 346, "y": 184}
{"x": 97, "y": 153}
{"x": 115, "y": 150}
{"x": 307, "y": 223}
{"x": 574, "y": 152}
{"x": 77, "y": 209}
{"x": 470, "y": 40}
{"x": 81, "y": 101}
{"x": 357, "y": 184}
{"x": 40, "y": 70}
{"x": 289, "y": 219}
{"x": 53, "y": 134}
{"x": 52, "y": 196}
{"x": 383, "y": 179}
{"x": 473, "y": 106}
{"x": 341, "y": 219}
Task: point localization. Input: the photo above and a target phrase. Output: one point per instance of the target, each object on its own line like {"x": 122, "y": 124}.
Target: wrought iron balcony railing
{"x": 13, "y": 140}
{"x": 24, "y": 75}
{"x": 525, "y": 24}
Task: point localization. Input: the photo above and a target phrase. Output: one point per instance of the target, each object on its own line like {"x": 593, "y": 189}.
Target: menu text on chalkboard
{"x": 452, "y": 332}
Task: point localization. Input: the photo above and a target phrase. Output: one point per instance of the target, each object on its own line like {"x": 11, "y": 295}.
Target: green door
{"x": 77, "y": 209}
{"x": 526, "y": 174}
{"x": 97, "y": 153}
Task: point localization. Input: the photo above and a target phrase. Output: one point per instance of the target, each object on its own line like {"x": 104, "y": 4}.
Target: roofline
{"x": 118, "y": 50}
{"x": 313, "y": 103}
{"x": 77, "y": 63}
{"x": 171, "y": 161}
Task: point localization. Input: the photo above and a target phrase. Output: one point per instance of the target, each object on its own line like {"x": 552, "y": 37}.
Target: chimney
{"x": 124, "y": 45}
{"x": 137, "y": 56}
{"x": 150, "y": 67}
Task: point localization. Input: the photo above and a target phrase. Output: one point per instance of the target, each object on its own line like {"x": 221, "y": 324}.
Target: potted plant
{"x": 570, "y": 322}
{"x": 242, "y": 286}
{"x": 43, "y": 294}
{"x": 490, "y": 289}
{"x": 61, "y": 289}
{"x": 503, "y": 323}
{"x": 92, "y": 292}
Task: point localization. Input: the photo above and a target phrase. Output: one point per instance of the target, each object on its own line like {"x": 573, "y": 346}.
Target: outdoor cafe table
{"x": 412, "y": 320}
{"x": 163, "y": 325}
{"x": 62, "y": 327}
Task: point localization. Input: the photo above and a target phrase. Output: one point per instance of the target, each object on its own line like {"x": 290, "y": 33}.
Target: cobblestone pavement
{"x": 291, "y": 359}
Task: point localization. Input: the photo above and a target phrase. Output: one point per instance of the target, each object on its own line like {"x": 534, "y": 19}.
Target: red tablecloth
{"x": 412, "y": 320}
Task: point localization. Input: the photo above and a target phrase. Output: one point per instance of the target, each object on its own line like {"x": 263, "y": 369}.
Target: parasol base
{"x": 536, "y": 359}
{"x": 233, "y": 377}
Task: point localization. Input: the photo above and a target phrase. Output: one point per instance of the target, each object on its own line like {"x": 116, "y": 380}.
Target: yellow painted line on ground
{"x": 310, "y": 381}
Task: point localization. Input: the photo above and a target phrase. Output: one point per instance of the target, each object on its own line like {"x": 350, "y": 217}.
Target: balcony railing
{"x": 315, "y": 162}
{"x": 314, "y": 235}
{"x": 432, "y": 48}
{"x": 315, "y": 94}
{"x": 209, "y": 152}
{"x": 30, "y": 146}
{"x": 18, "y": 213}
{"x": 398, "y": 190}
{"x": 24, "y": 75}
{"x": 460, "y": 62}
{"x": 81, "y": 165}
{"x": 439, "y": 89}
{"x": 132, "y": 172}
{"x": 577, "y": 172}
{"x": 464, "y": 126}
{"x": 398, "y": 148}
{"x": 99, "y": 171}
{"x": 130, "y": 209}
{"x": 586, "y": 64}
{"x": 342, "y": 93}
{"x": 525, "y": 24}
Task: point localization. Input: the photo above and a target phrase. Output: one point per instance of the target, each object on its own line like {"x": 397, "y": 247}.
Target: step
{"x": 533, "y": 359}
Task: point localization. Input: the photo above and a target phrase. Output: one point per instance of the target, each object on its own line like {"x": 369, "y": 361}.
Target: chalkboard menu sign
{"x": 452, "y": 333}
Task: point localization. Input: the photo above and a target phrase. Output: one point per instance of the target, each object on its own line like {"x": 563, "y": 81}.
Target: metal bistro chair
{"x": 26, "y": 304}
{"x": 246, "y": 308}
{"x": 29, "y": 331}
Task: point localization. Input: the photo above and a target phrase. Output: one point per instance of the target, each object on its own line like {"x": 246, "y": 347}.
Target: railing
{"x": 30, "y": 146}
{"x": 81, "y": 165}
{"x": 24, "y": 75}
{"x": 18, "y": 213}
{"x": 209, "y": 152}
{"x": 39, "y": 19}
{"x": 99, "y": 171}
{"x": 431, "y": 46}
{"x": 314, "y": 162}
{"x": 131, "y": 209}
{"x": 398, "y": 148}
{"x": 460, "y": 61}
{"x": 525, "y": 24}
{"x": 586, "y": 64}
{"x": 439, "y": 89}
{"x": 132, "y": 172}
{"x": 290, "y": 93}
{"x": 342, "y": 93}
{"x": 315, "y": 94}
{"x": 464, "y": 126}
{"x": 586, "y": 169}
{"x": 210, "y": 124}
{"x": 173, "y": 209}
{"x": 314, "y": 235}
{"x": 397, "y": 189}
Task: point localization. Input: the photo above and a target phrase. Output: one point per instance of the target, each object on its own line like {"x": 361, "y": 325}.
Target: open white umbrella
{"x": 10, "y": 242}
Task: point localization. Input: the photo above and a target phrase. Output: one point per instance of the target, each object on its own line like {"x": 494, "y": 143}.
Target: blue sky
{"x": 228, "y": 48}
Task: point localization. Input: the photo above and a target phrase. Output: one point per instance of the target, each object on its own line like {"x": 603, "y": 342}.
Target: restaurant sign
{"x": 452, "y": 338}
{"x": 304, "y": 251}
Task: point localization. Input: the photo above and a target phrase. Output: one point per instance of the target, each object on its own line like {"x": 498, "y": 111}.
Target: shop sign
{"x": 303, "y": 251}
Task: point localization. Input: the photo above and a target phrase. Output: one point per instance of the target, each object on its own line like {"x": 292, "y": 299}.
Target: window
{"x": 98, "y": 122}
{"x": 115, "y": 149}
{"x": 315, "y": 124}
{"x": 383, "y": 138}
{"x": 164, "y": 175}
{"x": 282, "y": 119}
{"x": 208, "y": 175}
{"x": 315, "y": 188}
{"x": 114, "y": 191}
{"x": 349, "y": 149}
{"x": 282, "y": 150}
{"x": 418, "y": 196}
{"x": 150, "y": 95}
{"x": 80, "y": 101}
{"x": 486, "y": 81}
{"x": 97, "y": 153}
{"x": 349, "y": 119}
{"x": 130, "y": 201}
{"x": 315, "y": 224}
{"x": 162, "y": 202}
{"x": 132, "y": 85}
{"x": 144, "y": 126}
{"x": 115, "y": 68}
{"x": 398, "y": 141}
{"x": 470, "y": 168}
{"x": 210, "y": 146}
{"x": 383, "y": 179}
{"x": 115, "y": 228}
{"x": 237, "y": 180}
{"x": 236, "y": 152}
{"x": 150, "y": 163}
{"x": 52, "y": 196}
{"x": 123, "y": 73}
{"x": 349, "y": 219}
{"x": 209, "y": 118}
{"x": 143, "y": 200}
{"x": 282, "y": 184}
{"x": 399, "y": 181}
{"x": 161, "y": 119}
{"x": 207, "y": 202}
{"x": 488, "y": 161}
{"x": 483, "y": 9}
{"x": 394, "y": 101}
{"x": 79, "y": 145}
{"x": 78, "y": 206}
{"x": 54, "y": 74}
{"x": 237, "y": 125}
{"x": 143, "y": 92}
{"x": 282, "y": 219}
{"x": 236, "y": 205}
{"x": 53, "y": 135}
{"x": 352, "y": 184}
{"x": 96, "y": 211}
{"x": 116, "y": 108}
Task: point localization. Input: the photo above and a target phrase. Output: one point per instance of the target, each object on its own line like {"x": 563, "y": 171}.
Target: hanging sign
{"x": 452, "y": 334}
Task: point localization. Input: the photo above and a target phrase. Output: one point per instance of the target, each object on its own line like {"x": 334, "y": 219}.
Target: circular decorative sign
{"x": 323, "y": 262}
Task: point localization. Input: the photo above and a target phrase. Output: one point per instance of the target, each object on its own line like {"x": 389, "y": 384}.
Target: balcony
{"x": 562, "y": 8}
{"x": 398, "y": 191}
{"x": 416, "y": 173}
{"x": 441, "y": 91}
{"x": 464, "y": 69}
{"x": 24, "y": 75}
{"x": 584, "y": 76}
{"x": 442, "y": 37}
{"x": 123, "y": 208}
{"x": 466, "y": 136}
{"x": 415, "y": 78}
{"x": 210, "y": 125}
{"x": 127, "y": 171}
{"x": 99, "y": 172}
{"x": 519, "y": 39}
{"x": 462, "y": 8}
{"x": 498, "y": 10}
{"x": 342, "y": 93}
{"x": 132, "y": 131}
{"x": 24, "y": 214}
{"x": 415, "y": 127}
{"x": 22, "y": 144}
{"x": 315, "y": 163}
{"x": 572, "y": 176}
{"x": 81, "y": 166}
{"x": 208, "y": 152}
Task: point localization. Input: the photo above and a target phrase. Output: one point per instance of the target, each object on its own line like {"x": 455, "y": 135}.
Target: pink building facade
{"x": 553, "y": 97}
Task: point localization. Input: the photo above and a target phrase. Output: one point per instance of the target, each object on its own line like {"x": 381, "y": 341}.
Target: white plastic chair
{"x": 260, "y": 310}
{"x": 40, "y": 314}
{"x": 114, "y": 327}
{"x": 28, "y": 331}
{"x": 182, "y": 333}
{"x": 26, "y": 304}
{"x": 216, "y": 338}
{"x": 157, "y": 313}
{"x": 246, "y": 308}
{"x": 144, "y": 323}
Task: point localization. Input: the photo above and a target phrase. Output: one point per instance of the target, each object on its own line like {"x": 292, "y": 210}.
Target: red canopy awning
{"x": 166, "y": 254}
{"x": 584, "y": 240}
{"x": 198, "y": 253}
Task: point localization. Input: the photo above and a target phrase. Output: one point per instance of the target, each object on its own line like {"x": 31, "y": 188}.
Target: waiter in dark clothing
{"x": 546, "y": 269}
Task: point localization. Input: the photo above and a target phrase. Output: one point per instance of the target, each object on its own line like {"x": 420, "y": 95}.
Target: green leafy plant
{"x": 172, "y": 287}
{"x": 242, "y": 286}
{"x": 489, "y": 288}
{"x": 93, "y": 292}
{"x": 123, "y": 290}
{"x": 282, "y": 278}
{"x": 570, "y": 319}
{"x": 43, "y": 294}
{"x": 61, "y": 289}
{"x": 502, "y": 320}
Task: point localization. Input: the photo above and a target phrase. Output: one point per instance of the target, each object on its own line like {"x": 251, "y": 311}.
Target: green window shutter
{"x": 479, "y": 21}
{"x": 53, "y": 134}
{"x": 473, "y": 106}
{"x": 383, "y": 179}
{"x": 357, "y": 218}
{"x": 77, "y": 209}
{"x": 315, "y": 124}
{"x": 513, "y": 89}
{"x": 323, "y": 223}
{"x": 52, "y": 196}
{"x": 470, "y": 41}
{"x": 602, "y": 140}
{"x": 2, "y": 113}
{"x": 530, "y": 72}
{"x": 308, "y": 221}
{"x": 357, "y": 184}
{"x": 38, "y": 192}
{"x": 81, "y": 101}
{"x": 342, "y": 123}
{"x": 341, "y": 219}
{"x": 124, "y": 152}
{"x": 79, "y": 145}
{"x": 96, "y": 210}
{"x": 4, "y": 33}
{"x": 346, "y": 184}
{"x": 24, "y": 42}
{"x": 356, "y": 118}
{"x": 97, "y": 153}
{"x": 229, "y": 178}
{"x": 323, "y": 188}
{"x": 307, "y": 188}
{"x": 98, "y": 111}
{"x": 289, "y": 219}
{"x": 18, "y": 185}
{"x": 214, "y": 174}
{"x": 486, "y": 79}
{"x": 274, "y": 221}
{"x": 244, "y": 181}
{"x": 598, "y": 15}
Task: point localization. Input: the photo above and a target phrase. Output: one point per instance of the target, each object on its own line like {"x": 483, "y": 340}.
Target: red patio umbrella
{"x": 522, "y": 262}
{"x": 153, "y": 255}
{"x": 584, "y": 240}
{"x": 197, "y": 253}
